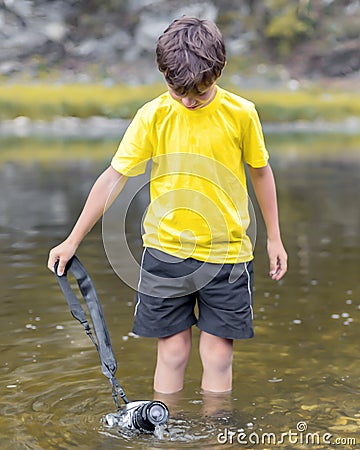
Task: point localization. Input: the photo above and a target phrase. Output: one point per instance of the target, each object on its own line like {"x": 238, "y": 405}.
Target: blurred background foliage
{"x": 92, "y": 57}
{"x": 46, "y": 101}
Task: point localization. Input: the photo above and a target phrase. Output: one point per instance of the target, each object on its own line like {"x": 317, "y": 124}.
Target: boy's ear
{"x": 222, "y": 69}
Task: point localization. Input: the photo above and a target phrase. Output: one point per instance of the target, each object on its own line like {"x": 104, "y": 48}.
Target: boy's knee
{"x": 174, "y": 351}
{"x": 216, "y": 352}
{"x": 219, "y": 361}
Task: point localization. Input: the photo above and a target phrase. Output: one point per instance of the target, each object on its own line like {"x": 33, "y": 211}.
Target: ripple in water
{"x": 180, "y": 429}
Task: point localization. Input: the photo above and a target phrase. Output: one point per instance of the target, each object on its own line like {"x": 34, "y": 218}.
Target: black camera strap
{"x": 102, "y": 341}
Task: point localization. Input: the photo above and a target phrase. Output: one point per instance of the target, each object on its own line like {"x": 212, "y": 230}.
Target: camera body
{"x": 142, "y": 415}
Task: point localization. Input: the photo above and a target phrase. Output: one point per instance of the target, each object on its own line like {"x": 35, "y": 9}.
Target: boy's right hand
{"x": 62, "y": 253}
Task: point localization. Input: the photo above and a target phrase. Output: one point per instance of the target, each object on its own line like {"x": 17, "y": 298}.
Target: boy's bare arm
{"x": 265, "y": 190}
{"x": 104, "y": 191}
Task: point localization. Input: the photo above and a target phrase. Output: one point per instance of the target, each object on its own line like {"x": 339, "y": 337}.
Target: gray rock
{"x": 10, "y": 67}
{"x": 104, "y": 48}
{"x": 55, "y": 31}
{"x": 114, "y": 35}
{"x": 153, "y": 22}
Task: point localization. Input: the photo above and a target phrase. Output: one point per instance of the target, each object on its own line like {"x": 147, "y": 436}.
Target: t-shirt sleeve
{"x": 254, "y": 149}
{"x": 135, "y": 148}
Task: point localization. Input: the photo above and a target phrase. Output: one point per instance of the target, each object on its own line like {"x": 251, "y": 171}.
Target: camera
{"x": 140, "y": 415}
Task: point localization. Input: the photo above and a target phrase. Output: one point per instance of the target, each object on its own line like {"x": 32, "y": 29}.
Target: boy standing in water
{"x": 199, "y": 138}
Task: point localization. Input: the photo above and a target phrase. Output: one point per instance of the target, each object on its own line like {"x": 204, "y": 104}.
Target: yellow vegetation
{"x": 45, "y": 101}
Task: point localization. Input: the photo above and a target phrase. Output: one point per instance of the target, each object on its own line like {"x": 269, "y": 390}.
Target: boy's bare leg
{"x": 216, "y": 356}
{"x": 172, "y": 357}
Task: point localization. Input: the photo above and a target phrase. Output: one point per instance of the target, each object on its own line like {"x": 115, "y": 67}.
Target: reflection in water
{"x": 301, "y": 366}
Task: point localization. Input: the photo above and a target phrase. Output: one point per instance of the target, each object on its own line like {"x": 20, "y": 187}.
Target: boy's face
{"x": 194, "y": 101}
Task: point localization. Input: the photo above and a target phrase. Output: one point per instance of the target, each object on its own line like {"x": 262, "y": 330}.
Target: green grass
{"x": 46, "y": 101}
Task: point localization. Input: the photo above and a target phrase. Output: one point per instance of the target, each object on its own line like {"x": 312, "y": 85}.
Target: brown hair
{"x": 191, "y": 55}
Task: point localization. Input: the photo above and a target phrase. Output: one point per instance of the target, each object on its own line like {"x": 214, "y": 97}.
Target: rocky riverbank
{"x": 270, "y": 43}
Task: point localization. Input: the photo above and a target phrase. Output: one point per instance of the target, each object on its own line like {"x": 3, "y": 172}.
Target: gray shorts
{"x": 170, "y": 288}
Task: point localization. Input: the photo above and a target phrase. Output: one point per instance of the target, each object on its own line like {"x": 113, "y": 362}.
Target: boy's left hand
{"x": 278, "y": 259}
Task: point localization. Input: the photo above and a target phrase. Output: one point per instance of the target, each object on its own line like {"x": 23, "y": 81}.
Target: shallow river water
{"x": 296, "y": 384}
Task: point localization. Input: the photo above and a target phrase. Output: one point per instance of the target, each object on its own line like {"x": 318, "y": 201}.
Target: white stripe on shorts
{"x": 249, "y": 290}
{"x": 138, "y": 296}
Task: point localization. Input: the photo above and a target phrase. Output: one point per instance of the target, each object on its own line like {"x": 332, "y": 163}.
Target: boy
{"x": 199, "y": 137}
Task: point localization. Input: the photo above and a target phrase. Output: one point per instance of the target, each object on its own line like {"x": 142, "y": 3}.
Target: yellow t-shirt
{"x": 199, "y": 202}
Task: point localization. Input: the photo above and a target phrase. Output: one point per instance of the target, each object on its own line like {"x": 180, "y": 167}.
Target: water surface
{"x": 300, "y": 370}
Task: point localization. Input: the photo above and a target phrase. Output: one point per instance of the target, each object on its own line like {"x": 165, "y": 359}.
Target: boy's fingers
{"x": 51, "y": 263}
{"x": 61, "y": 254}
{"x": 53, "y": 259}
{"x": 273, "y": 267}
{"x": 61, "y": 267}
{"x": 278, "y": 268}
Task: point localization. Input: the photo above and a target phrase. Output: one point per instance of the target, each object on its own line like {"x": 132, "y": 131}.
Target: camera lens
{"x": 150, "y": 414}
{"x": 157, "y": 413}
